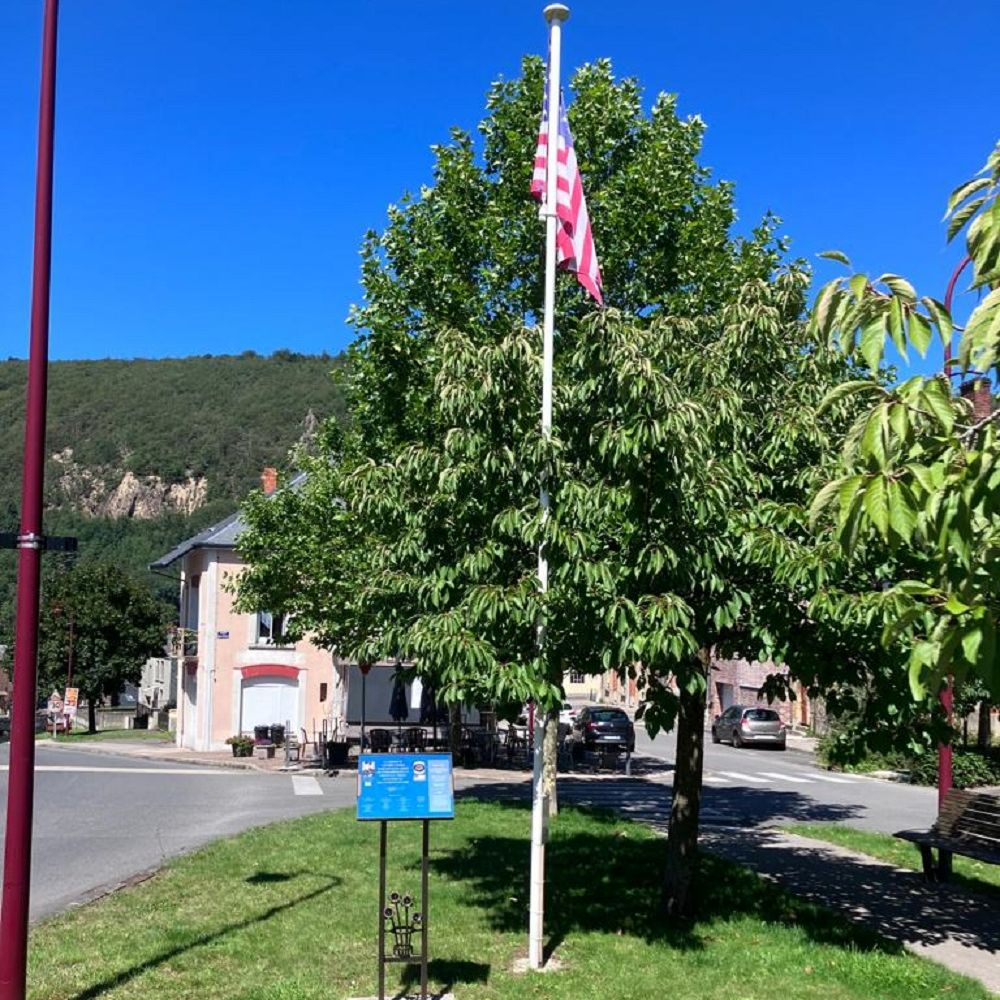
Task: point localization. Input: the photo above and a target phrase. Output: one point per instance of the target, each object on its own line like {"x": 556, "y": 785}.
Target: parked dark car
{"x": 599, "y": 727}
{"x": 4, "y": 729}
{"x": 749, "y": 725}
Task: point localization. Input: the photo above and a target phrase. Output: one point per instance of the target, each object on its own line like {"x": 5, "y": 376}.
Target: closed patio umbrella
{"x": 399, "y": 710}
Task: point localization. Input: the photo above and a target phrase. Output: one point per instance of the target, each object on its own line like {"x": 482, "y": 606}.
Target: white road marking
{"x": 303, "y": 784}
{"x": 744, "y": 777}
{"x": 712, "y": 779}
{"x": 74, "y": 769}
{"x": 785, "y": 777}
{"x": 833, "y": 780}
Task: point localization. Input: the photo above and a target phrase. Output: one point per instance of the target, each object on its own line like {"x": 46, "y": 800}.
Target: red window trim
{"x": 270, "y": 670}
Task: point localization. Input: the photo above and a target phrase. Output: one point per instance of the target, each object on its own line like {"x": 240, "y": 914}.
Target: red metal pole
{"x": 947, "y": 695}
{"x": 20, "y": 792}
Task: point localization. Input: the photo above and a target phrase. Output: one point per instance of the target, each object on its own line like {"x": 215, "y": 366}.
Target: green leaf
{"x": 876, "y": 504}
{"x": 872, "y": 443}
{"x": 964, "y": 190}
{"x": 896, "y": 325}
{"x": 937, "y": 399}
{"x": 941, "y": 318}
{"x": 839, "y": 256}
{"x": 844, "y": 389}
{"x": 972, "y": 642}
{"x": 902, "y": 518}
{"x": 954, "y": 606}
{"x": 900, "y": 287}
{"x": 917, "y": 588}
{"x": 920, "y": 332}
{"x": 923, "y": 655}
{"x": 962, "y": 216}
{"x": 858, "y": 283}
{"x": 873, "y": 343}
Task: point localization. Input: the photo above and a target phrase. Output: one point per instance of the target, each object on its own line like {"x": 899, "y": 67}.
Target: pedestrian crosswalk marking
{"x": 833, "y": 780}
{"x": 785, "y": 777}
{"x": 303, "y": 784}
{"x": 711, "y": 779}
{"x": 736, "y": 776}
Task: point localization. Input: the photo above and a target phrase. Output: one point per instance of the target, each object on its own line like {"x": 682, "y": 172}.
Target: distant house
{"x": 4, "y": 688}
{"x": 235, "y": 672}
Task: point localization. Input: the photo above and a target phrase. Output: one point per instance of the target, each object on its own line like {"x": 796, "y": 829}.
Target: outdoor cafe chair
{"x": 381, "y": 740}
{"x": 416, "y": 739}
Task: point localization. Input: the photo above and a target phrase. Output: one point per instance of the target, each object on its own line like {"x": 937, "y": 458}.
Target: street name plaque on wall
{"x": 404, "y": 786}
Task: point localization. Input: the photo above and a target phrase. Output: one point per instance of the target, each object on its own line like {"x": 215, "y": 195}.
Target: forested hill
{"x": 143, "y": 453}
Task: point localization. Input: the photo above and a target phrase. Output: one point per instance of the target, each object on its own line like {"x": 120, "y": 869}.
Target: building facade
{"x": 234, "y": 671}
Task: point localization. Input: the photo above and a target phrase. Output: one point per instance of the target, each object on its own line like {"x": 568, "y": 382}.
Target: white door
{"x": 269, "y": 700}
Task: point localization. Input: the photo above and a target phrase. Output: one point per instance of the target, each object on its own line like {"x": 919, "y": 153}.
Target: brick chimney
{"x": 269, "y": 480}
{"x": 979, "y": 393}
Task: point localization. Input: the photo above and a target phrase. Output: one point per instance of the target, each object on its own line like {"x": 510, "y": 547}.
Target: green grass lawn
{"x": 287, "y": 912}
{"x": 107, "y": 735}
{"x": 972, "y": 874}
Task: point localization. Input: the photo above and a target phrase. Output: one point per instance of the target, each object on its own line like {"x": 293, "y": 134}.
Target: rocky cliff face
{"x": 105, "y": 491}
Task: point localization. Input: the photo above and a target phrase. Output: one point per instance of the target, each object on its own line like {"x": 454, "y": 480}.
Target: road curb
{"x": 173, "y": 758}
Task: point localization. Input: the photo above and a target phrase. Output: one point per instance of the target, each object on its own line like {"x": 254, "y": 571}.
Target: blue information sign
{"x": 405, "y": 786}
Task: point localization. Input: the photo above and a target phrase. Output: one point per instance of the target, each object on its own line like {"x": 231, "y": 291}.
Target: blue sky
{"x": 217, "y": 161}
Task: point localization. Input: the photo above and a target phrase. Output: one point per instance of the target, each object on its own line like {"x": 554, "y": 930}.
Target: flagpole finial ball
{"x": 556, "y": 12}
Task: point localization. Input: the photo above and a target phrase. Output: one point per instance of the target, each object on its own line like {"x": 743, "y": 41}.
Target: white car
{"x": 567, "y": 714}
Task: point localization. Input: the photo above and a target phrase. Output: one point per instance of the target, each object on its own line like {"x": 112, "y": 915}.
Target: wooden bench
{"x": 967, "y": 824}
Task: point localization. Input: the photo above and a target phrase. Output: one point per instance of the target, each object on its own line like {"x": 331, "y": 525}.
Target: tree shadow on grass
{"x": 445, "y": 973}
{"x": 197, "y": 941}
{"x": 609, "y": 882}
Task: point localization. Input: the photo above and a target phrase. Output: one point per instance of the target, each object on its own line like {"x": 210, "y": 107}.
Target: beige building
{"x": 234, "y": 672}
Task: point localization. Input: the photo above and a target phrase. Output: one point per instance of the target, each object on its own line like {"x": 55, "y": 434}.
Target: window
{"x": 762, "y": 715}
{"x": 577, "y": 677}
{"x": 608, "y": 715}
{"x": 269, "y": 628}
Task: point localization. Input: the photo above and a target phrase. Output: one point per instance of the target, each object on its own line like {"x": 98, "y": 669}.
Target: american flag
{"x": 574, "y": 239}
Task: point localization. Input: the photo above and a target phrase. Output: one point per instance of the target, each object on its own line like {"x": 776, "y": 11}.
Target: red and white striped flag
{"x": 574, "y": 240}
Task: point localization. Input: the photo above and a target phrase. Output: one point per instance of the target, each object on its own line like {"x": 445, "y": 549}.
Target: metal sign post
{"x": 404, "y": 787}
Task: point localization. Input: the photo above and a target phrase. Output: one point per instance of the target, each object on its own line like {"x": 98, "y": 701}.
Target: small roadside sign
{"x": 405, "y": 786}
{"x": 55, "y": 705}
{"x": 70, "y": 703}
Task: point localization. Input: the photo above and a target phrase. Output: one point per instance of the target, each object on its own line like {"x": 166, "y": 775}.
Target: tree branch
{"x": 970, "y": 432}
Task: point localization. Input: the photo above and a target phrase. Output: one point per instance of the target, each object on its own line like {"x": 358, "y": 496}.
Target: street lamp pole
{"x": 20, "y": 792}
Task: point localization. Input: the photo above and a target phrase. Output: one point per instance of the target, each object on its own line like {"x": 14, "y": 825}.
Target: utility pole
{"x": 30, "y": 542}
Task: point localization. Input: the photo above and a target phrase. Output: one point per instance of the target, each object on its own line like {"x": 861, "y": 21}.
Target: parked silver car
{"x": 749, "y": 725}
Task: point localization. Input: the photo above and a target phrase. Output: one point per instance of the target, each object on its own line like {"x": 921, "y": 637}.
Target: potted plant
{"x": 242, "y": 745}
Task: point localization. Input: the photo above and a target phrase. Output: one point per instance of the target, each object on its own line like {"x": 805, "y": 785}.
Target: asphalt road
{"x": 102, "y": 819}
{"x": 755, "y": 785}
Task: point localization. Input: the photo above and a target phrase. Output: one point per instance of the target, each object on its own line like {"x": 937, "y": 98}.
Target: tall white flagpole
{"x": 555, "y": 14}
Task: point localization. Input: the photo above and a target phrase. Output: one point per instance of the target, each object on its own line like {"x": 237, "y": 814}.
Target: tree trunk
{"x": 682, "y": 839}
{"x": 984, "y": 737}
{"x": 92, "y": 712}
{"x": 550, "y": 751}
{"x": 455, "y": 727}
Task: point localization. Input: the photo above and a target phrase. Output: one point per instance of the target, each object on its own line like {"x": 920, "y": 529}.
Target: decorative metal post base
{"x": 400, "y": 919}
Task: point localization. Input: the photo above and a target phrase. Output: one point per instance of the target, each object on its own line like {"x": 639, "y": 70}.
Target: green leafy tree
{"x": 922, "y": 470}
{"x": 681, "y": 412}
{"x": 102, "y": 623}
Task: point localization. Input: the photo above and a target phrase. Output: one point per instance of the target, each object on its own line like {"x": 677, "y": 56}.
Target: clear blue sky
{"x": 217, "y": 161}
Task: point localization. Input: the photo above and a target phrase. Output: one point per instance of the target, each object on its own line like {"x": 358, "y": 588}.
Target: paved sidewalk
{"x": 956, "y": 927}
{"x": 146, "y": 750}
